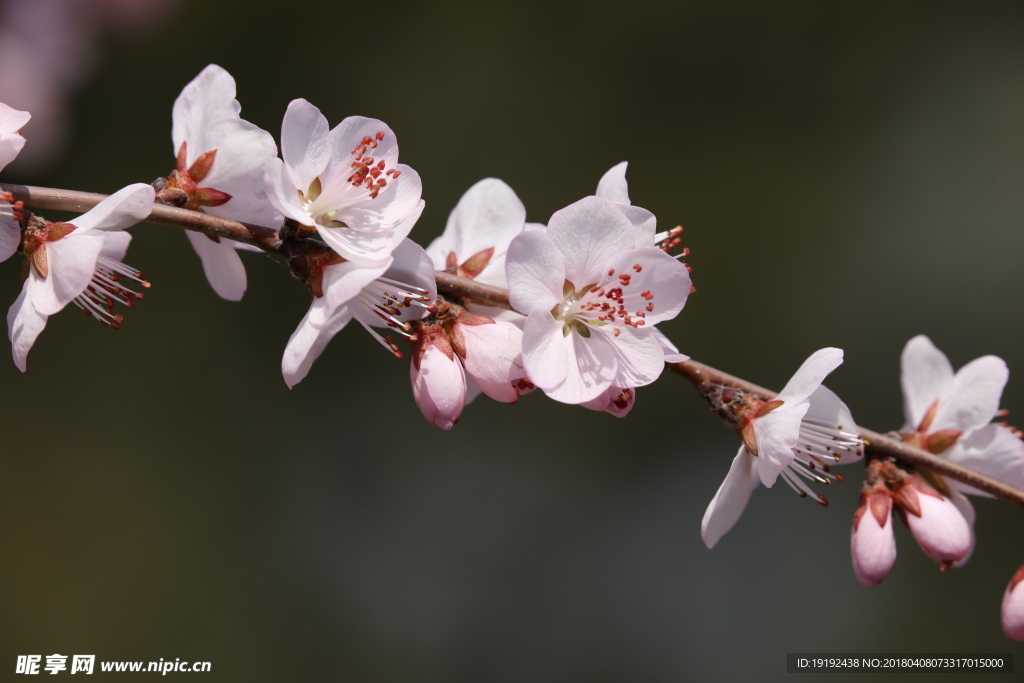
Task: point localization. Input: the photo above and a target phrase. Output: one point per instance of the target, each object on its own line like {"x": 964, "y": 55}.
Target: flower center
{"x": 614, "y": 303}
{"x": 820, "y": 444}
{"x": 384, "y": 301}
{"x": 107, "y": 288}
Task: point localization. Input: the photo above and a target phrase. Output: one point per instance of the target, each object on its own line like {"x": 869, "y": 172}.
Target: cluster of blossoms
{"x": 586, "y": 291}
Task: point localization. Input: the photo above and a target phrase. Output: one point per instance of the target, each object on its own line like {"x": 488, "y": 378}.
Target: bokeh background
{"x": 847, "y": 177}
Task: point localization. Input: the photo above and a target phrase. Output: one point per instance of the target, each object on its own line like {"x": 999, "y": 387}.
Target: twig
{"x": 269, "y": 240}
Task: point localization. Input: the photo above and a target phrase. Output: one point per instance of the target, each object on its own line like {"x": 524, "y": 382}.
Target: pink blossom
{"x": 872, "y": 542}
{"x": 80, "y": 262}
{"x": 220, "y": 162}
{"x": 345, "y": 183}
{"x": 591, "y": 299}
{"x": 796, "y": 435}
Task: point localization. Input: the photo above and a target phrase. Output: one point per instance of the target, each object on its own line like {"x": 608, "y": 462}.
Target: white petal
{"x": 591, "y": 368}
{"x": 305, "y": 147}
{"x": 645, "y": 225}
{"x": 439, "y": 387}
{"x": 536, "y": 273}
{"x": 972, "y": 400}
{"x": 811, "y": 374}
{"x": 613, "y": 184}
{"x": 24, "y": 324}
{"x": 390, "y": 207}
{"x": 10, "y": 232}
{"x": 12, "y": 120}
{"x": 282, "y": 193}
{"x": 349, "y": 134}
{"x": 222, "y": 265}
{"x": 639, "y": 356}
{"x": 123, "y": 209}
{"x": 10, "y": 145}
{"x": 342, "y": 283}
{"x": 590, "y": 234}
{"x": 308, "y": 342}
{"x": 826, "y": 406}
{"x": 494, "y": 358}
{"x": 71, "y": 263}
{"x": 546, "y": 352}
{"x": 777, "y": 434}
{"x": 925, "y": 374}
{"x": 991, "y": 450}
{"x": 617, "y": 401}
{"x": 730, "y": 500}
{"x": 672, "y": 354}
{"x": 664, "y": 277}
{"x": 967, "y": 510}
{"x": 115, "y": 245}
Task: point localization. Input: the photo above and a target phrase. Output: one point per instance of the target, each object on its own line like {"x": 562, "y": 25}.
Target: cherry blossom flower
{"x": 1013, "y": 607}
{"x": 796, "y": 435}
{"x": 950, "y": 416}
{"x": 79, "y": 262}
{"x": 390, "y": 295}
{"x": 221, "y": 161}
{"x": 345, "y": 183}
{"x": 459, "y": 354}
{"x": 11, "y": 142}
{"x": 591, "y": 299}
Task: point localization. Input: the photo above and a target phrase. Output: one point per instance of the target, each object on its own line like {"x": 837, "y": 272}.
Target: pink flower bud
{"x": 439, "y": 386}
{"x": 872, "y": 543}
{"x": 941, "y": 530}
{"x": 1013, "y": 607}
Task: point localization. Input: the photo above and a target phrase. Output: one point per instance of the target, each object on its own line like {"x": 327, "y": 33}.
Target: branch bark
{"x": 700, "y": 375}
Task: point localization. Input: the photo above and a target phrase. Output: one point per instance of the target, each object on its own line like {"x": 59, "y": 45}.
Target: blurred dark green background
{"x": 846, "y": 178}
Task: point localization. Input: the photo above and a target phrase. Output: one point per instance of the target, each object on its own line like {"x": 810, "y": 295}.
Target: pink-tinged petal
{"x": 972, "y": 400}
{"x": 925, "y": 374}
{"x": 349, "y": 134}
{"x": 873, "y": 548}
{"x": 811, "y": 374}
{"x": 305, "y": 147}
{"x": 546, "y": 352}
{"x": 494, "y": 358}
{"x": 613, "y": 184}
{"x": 645, "y": 225}
{"x": 967, "y": 510}
{"x": 672, "y": 354}
{"x": 777, "y": 434}
{"x": 617, "y": 401}
{"x": 439, "y": 387}
{"x": 535, "y": 272}
{"x": 396, "y": 201}
{"x": 371, "y": 247}
{"x": 115, "y": 245}
{"x": 410, "y": 266}
{"x": 590, "y": 234}
{"x": 308, "y": 342}
{"x": 127, "y": 207}
{"x": 12, "y": 120}
{"x": 941, "y": 530}
{"x": 282, "y": 193}
{"x": 10, "y": 232}
{"x": 342, "y": 283}
{"x": 222, "y": 265}
{"x": 664, "y": 279}
{"x": 826, "y": 407}
{"x": 638, "y": 354}
{"x": 1013, "y": 607}
{"x": 991, "y": 450}
{"x": 24, "y": 324}
{"x": 10, "y": 146}
{"x": 730, "y": 500}
{"x": 591, "y": 367}
{"x": 72, "y": 262}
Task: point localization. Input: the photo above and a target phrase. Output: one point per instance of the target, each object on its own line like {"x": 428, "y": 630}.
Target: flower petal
{"x": 811, "y": 374}
{"x": 967, "y": 510}
{"x": 873, "y": 549}
{"x": 72, "y": 262}
{"x": 672, "y": 354}
{"x": 590, "y": 234}
{"x": 24, "y": 324}
{"x": 123, "y": 209}
{"x": 10, "y": 231}
{"x": 617, "y": 401}
{"x": 10, "y": 145}
{"x": 535, "y": 272}
{"x": 591, "y": 367}
{"x": 829, "y": 408}
{"x": 777, "y": 434}
{"x": 282, "y": 193}
{"x": 613, "y": 186}
{"x": 222, "y": 265}
{"x": 12, "y": 120}
{"x": 343, "y": 282}
{"x": 991, "y": 450}
{"x": 494, "y": 358}
{"x": 308, "y": 342}
{"x": 305, "y": 147}
{"x": 925, "y": 374}
{"x": 640, "y": 358}
{"x": 664, "y": 279}
{"x": 546, "y": 352}
{"x": 972, "y": 400}
{"x": 730, "y": 500}
{"x": 942, "y": 531}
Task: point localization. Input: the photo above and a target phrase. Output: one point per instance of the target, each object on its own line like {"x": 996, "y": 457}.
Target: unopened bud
{"x": 872, "y": 543}
{"x": 1013, "y": 607}
{"x": 940, "y": 529}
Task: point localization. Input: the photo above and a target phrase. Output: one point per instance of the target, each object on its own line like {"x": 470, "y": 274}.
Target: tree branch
{"x": 701, "y": 375}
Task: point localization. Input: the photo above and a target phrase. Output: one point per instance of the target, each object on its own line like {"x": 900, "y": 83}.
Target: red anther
{"x": 367, "y": 139}
{"x": 397, "y": 173}
{"x": 6, "y": 197}
{"x": 611, "y": 271}
{"x": 640, "y": 323}
{"x": 647, "y": 295}
{"x": 380, "y": 165}
{"x": 823, "y": 501}
{"x": 119, "y": 318}
{"x": 640, "y": 314}
{"x": 87, "y": 311}
{"x": 1003, "y": 412}
{"x": 637, "y": 267}
{"x": 380, "y": 135}
{"x": 650, "y": 307}
{"x": 693, "y": 289}
{"x": 617, "y": 332}
{"x": 839, "y": 477}
{"x": 686, "y": 252}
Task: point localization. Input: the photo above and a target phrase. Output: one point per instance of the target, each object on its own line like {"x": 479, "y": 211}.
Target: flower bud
{"x": 1013, "y": 607}
{"x": 939, "y": 527}
{"x": 872, "y": 543}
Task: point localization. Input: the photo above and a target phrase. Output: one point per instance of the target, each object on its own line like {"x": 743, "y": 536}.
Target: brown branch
{"x": 701, "y": 375}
